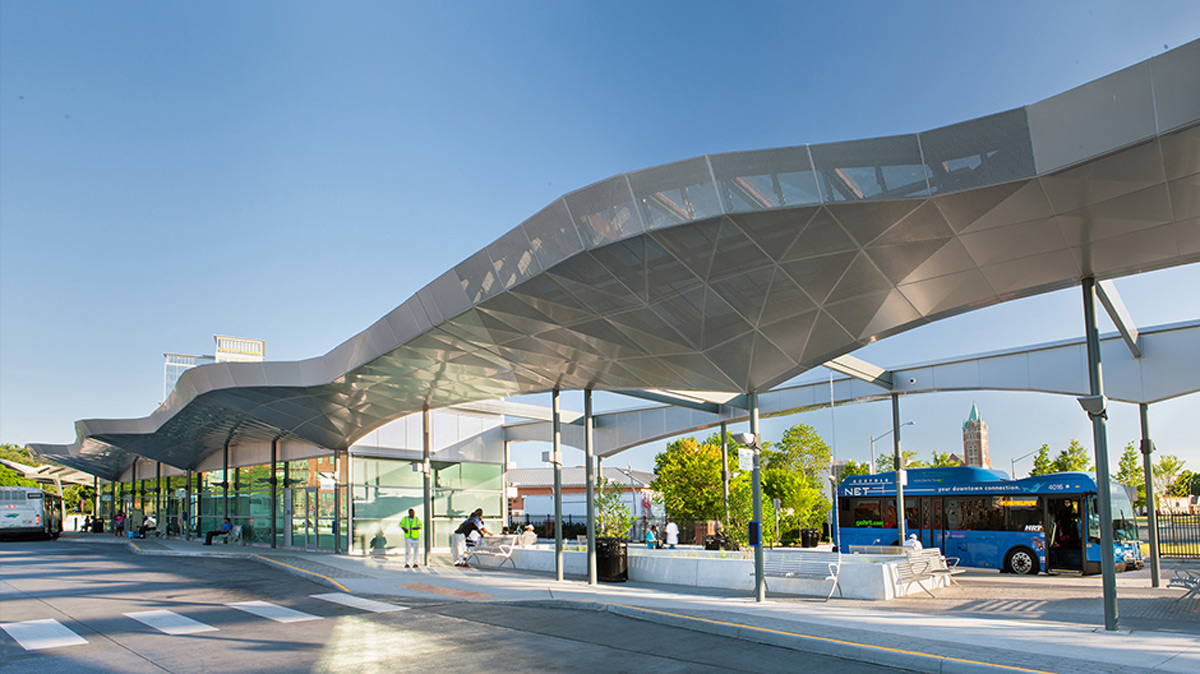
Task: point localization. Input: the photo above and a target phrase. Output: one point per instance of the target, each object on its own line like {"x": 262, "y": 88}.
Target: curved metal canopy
{"x": 738, "y": 271}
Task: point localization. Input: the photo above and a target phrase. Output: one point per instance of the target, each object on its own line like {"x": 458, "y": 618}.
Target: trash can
{"x": 809, "y": 538}
{"x": 612, "y": 560}
{"x": 712, "y": 543}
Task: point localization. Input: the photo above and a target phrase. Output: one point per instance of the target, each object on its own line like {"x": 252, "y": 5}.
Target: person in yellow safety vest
{"x": 412, "y": 538}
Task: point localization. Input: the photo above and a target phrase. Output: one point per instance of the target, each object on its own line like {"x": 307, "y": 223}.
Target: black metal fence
{"x": 1179, "y": 535}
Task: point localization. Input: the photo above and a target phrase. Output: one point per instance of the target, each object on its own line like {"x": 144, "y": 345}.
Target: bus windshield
{"x": 1122, "y": 517}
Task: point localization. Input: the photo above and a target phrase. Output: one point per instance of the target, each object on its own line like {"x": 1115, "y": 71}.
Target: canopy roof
{"x": 736, "y": 271}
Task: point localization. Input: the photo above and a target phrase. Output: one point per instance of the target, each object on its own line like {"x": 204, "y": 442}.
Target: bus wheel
{"x": 1021, "y": 561}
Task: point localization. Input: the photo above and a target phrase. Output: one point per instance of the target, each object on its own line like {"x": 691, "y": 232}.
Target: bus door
{"x": 1064, "y": 534}
{"x": 930, "y": 527}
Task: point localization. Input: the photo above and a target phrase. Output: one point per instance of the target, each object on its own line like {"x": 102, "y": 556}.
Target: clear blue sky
{"x": 293, "y": 171}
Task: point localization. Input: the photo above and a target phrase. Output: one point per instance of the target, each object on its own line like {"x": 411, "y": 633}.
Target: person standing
{"x": 672, "y": 533}
{"x": 411, "y": 526}
{"x": 652, "y": 537}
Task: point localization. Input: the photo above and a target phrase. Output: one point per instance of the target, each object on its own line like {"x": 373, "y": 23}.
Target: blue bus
{"x": 1046, "y": 523}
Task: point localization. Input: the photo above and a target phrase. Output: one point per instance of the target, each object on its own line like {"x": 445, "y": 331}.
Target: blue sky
{"x": 293, "y": 171}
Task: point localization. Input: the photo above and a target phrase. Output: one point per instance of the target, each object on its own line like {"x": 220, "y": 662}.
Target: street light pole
{"x": 882, "y": 436}
{"x": 1012, "y": 463}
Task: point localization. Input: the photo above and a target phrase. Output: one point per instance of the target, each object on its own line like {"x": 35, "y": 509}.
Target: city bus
{"x": 1047, "y": 523}
{"x": 26, "y": 511}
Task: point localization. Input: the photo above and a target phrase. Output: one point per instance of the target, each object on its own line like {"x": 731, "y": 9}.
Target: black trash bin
{"x": 612, "y": 560}
{"x": 809, "y": 538}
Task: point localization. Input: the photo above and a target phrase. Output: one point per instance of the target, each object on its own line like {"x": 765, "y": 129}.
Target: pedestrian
{"x": 652, "y": 537}
{"x": 119, "y": 524}
{"x": 467, "y": 535}
{"x": 225, "y": 528}
{"x": 672, "y": 533}
{"x": 411, "y": 526}
{"x": 912, "y": 543}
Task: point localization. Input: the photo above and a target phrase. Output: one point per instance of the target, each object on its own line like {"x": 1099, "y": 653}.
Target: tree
{"x": 944, "y": 460}
{"x": 1182, "y": 486}
{"x": 612, "y": 513}
{"x": 1042, "y": 464}
{"x": 1130, "y": 474}
{"x": 887, "y": 462}
{"x": 10, "y": 477}
{"x": 741, "y": 511}
{"x": 1165, "y": 473}
{"x": 688, "y": 478}
{"x": 852, "y": 468}
{"x": 801, "y": 451}
{"x": 1073, "y": 458}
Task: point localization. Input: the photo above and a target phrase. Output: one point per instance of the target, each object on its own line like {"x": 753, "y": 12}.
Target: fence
{"x": 1179, "y": 535}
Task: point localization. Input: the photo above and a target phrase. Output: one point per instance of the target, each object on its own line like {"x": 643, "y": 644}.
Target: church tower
{"x": 975, "y": 440}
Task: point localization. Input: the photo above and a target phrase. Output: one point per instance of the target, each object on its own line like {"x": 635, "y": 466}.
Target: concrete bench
{"x": 494, "y": 548}
{"x": 1187, "y": 580}
{"x": 811, "y": 565}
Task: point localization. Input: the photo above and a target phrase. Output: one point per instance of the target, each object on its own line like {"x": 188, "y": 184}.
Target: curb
{"x": 923, "y": 663}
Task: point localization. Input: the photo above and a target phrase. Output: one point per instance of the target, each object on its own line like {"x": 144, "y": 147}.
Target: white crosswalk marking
{"x": 34, "y": 635}
{"x": 359, "y": 602}
{"x": 169, "y": 622}
{"x": 275, "y": 612}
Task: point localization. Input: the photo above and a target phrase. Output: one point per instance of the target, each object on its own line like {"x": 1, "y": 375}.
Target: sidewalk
{"x": 1049, "y": 624}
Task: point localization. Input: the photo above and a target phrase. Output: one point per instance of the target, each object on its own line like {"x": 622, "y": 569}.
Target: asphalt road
{"x": 90, "y": 588}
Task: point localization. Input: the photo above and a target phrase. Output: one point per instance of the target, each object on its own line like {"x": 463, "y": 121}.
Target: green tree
{"x": 10, "y": 477}
{"x": 1182, "y": 486}
{"x": 612, "y": 513}
{"x": 1165, "y": 473}
{"x": 801, "y": 451}
{"x": 688, "y": 479}
{"x": 1073, "y": 458}
{"x": 1130, "y": 474}
{"x": 887, "y": 461}
{"x": 741, "y": 512}
{"x": 1042, "y": 464}
{"x": 852, "y": 468}
{"x": 944, "y": 460}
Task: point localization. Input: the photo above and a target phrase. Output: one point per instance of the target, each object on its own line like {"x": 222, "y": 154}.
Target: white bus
{"x": 26, "y": 511}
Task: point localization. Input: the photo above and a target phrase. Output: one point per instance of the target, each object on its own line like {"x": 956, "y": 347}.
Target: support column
{"x": 274, "y": 482}
{"x": 341, "y": 462}
{"x": 225, "y": 480}
{"x": 199, "y": 498}
{"x": 427, "y": 482}
{"x": 185, "y": 514}
{"x": 1100, "y": 437}
{"x": 135, "y": 490}
{"x": 556, "y": 459}
{"x": 158, "y": 493}
{"x": 589, "y": 451}
{"x": 900, "y": 473}
{"x": 1151, "y": 515}
{"x": 725, "y": 471}
{"x": 95, "y": 497}
{"x": 760, "y": 583}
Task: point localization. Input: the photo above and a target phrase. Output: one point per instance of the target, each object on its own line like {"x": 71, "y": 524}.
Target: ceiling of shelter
{"x": 738, "y": 271}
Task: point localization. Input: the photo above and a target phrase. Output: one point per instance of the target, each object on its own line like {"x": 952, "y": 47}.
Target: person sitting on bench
{"x": 226, "y": 527}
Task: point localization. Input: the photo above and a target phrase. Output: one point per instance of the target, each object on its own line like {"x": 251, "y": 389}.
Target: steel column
{"x": 185, "y": 520}
{"x": 274, "y": 482}
{"x": 225, "y": 479}
{"x": 760, "y": 583}
{"x": 900, "y": 474}
{"x": 157, "y": 492}
{"x": 1151, "y": 515}
{"x": 725, "y": 471}
{"x": 556, "y": 459}
{"x": 1100, "y": 436}
{"x": 427, "y": 482}
{"x": 589, "y": 451}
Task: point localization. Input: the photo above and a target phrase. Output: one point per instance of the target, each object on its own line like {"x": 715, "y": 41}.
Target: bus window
{"x": 889, "y": 514}
{"x": 1021, "y": 513}
{"x": 1124, "y": 527}
{"x": 1093, "y": 519}
{"x": 866, "y": 513}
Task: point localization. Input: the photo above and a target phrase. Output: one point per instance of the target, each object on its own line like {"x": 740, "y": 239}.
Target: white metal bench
{"x": 811, "y": 565}
{"x": 1187, "y": 580}
{"x": 939, "y": 565}
{"x": 234, "y": 535}
{"x": 875, "y": 549}
{"x": 494, "y": 547}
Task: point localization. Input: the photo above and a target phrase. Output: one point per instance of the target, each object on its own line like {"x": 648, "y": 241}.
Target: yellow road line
{"x": 831, "y": 640}
{"x": 276, "y": 561}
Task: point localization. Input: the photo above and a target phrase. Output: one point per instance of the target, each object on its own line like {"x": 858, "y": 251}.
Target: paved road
{"x": 120, "y": 612}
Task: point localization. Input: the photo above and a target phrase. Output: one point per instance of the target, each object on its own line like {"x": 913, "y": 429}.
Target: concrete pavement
{"x": 1044, "y": 623}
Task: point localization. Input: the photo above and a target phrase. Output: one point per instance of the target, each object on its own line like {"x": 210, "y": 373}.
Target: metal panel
{"x": 605, "y": 212}
{"x": 764, "y": 179}
{"x": 675, "y": 193}
{"x": 1097, "y": 117}
{"x": 877, "y": 168}
{"x": 984, "y": 151}
{"x": 552, "y": 234}
{"x": 1176, "y": 90}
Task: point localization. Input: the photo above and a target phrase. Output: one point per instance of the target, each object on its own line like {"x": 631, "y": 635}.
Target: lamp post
{"x": 751, "y": 441}
{"x": 882, "y": 436}
{"x": 1012, "y": 463}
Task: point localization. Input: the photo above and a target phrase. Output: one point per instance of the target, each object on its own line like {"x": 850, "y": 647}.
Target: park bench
{"x": 493, "y": 548}
{"x": 925, "y": 564}
{"x": 875, "y": 549}
{"x": 1187, "y": 580}
{"x": 810, "y": 565}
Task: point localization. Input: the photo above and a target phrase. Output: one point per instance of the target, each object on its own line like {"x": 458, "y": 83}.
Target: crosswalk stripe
{"x": 169, "y": 622}
{"x": 358, "y": 602}
{"x": 34, "y": 635}
{"x": 275, "y": 612}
